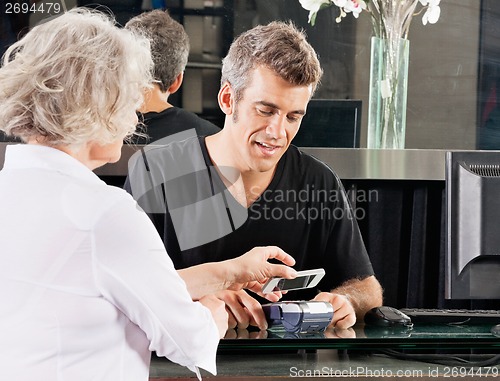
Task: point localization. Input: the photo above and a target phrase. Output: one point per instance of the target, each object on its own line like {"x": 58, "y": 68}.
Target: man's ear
{"x": 177, "y": 83}
{"x": 226, "y": 99}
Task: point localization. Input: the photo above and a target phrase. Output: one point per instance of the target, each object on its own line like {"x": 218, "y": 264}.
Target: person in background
{"x": 87, "y": 287}
{"x": 170, "y": 51}
{"x": 248, "y": 186}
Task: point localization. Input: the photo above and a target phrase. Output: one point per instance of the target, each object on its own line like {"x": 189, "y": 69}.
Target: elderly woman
{"x": 87, "y": 288}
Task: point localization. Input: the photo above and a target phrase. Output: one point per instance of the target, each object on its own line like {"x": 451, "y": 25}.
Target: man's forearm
{"x": 363, "y": 294}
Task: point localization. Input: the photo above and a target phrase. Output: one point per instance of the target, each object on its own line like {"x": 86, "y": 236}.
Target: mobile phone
{"x": 304, "y": 279}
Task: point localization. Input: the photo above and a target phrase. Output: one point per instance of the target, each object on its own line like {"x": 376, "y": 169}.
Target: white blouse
{"x": 87, "y": 289}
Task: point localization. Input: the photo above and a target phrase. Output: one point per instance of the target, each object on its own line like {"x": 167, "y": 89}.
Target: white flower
{"x": 340, "y": 3}
{"x": 349, "y": 6}
{"x": 390, "y": 18}
{"x": 313, "y": 6}
{"x": 432, "y": 13}
{"x": 354, "y": 6}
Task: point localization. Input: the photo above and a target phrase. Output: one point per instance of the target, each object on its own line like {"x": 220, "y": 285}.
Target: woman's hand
{"x": 252, "y": 269}
{"x": 219, "y": 313}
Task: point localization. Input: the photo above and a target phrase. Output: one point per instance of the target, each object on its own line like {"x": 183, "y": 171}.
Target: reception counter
{"x": 352, "y": 163}
{"x": 403, "y": 229}
{"x": 349, "y": 163}
{"x": 398, "y": 197}
{"x": 422, "y": 352}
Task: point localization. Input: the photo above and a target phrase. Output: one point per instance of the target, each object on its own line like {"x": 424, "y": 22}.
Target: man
{"x": 247, "y": 186}
{"x": 170, "y": 50}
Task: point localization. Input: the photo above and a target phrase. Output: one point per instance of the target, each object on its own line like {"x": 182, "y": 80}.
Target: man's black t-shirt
{"x": 304, "y": 211}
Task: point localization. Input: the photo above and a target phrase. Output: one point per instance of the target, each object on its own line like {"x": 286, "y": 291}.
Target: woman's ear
{"x": 226, "y": 99}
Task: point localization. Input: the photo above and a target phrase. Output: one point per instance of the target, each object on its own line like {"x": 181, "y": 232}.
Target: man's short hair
{"x": 169, "y": 44}
{"x": 278, "y": 46}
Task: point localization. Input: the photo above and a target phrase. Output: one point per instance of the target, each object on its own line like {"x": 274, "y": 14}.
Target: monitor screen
{"x": 330, "y": 123}
{"x": 472, "y": 225}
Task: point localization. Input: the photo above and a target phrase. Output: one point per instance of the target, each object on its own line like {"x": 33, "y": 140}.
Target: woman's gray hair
{"x": 74, "y": 79}
{"x": 278, "y": 46}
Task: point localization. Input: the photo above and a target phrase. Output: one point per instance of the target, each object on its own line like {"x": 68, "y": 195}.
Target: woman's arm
{"x": 249, "y": 271}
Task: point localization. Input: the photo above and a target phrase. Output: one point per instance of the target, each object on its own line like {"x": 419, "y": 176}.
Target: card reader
{"x": 299, "y": 316}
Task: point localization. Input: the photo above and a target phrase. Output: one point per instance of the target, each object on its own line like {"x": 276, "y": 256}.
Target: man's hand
{"x": 344, "y": 315}
{"x": 352, "y": 299}
{"x": 243, "y": 310}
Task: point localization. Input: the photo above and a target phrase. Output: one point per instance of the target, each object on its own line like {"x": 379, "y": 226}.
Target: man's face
{"x": 265, "y": 120}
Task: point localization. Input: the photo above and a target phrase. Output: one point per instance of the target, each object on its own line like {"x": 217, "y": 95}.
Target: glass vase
{"x": 388, "y": 90}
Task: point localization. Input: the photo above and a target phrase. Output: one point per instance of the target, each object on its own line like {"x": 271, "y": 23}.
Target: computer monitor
{"x": 330, "y": 123}
{"x": 472, "y": 225}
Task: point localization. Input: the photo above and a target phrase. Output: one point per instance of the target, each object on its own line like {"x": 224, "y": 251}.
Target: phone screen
{"x": 290, "y": 284}
{"x": 304, "y": 279}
